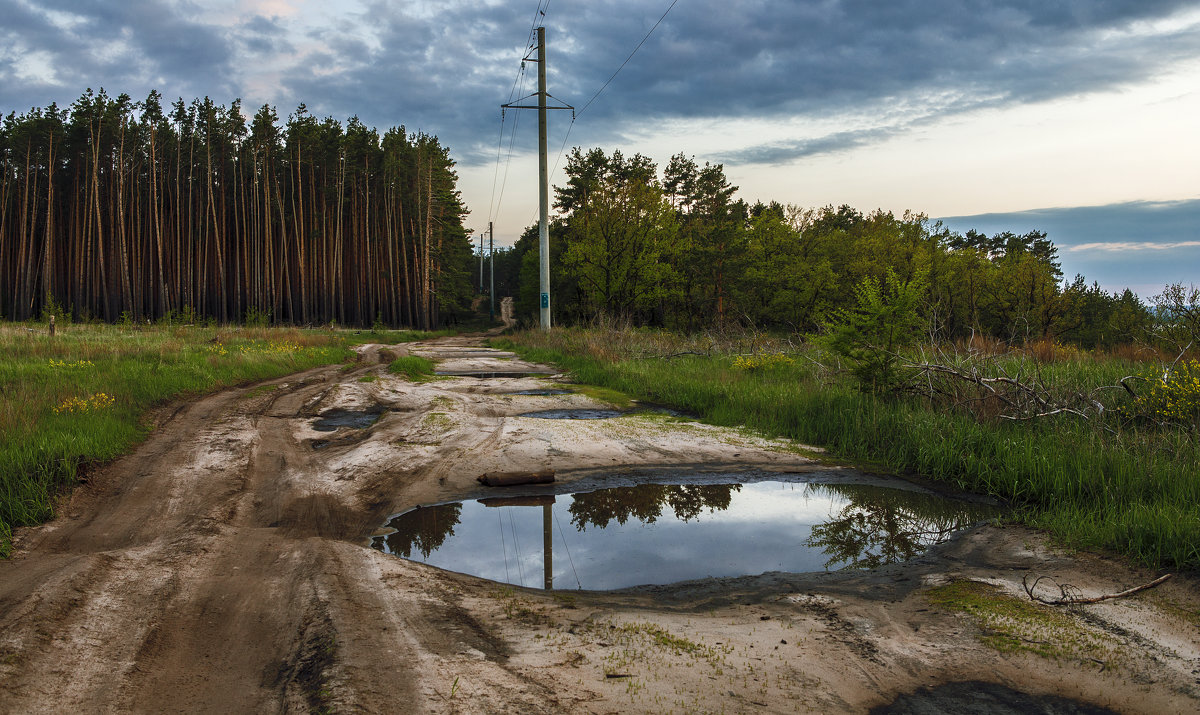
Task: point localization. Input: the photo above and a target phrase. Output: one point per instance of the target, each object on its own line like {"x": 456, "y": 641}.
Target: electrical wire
{"x": 575, "y": 115}
{"x": 568, "y": 548}
{"x": 512, "y": 523}
{"x": 630, "y": 57}
{"x": 504, "y": 546}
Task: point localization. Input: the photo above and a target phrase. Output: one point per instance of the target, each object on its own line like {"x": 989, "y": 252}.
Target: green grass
{"x": 413, "y": 367}
{"x": 391, "y": 337}
{"x": 1014, "y": 625}
{"x": 1136, "y": 492}
{"x": 80, "y": 397}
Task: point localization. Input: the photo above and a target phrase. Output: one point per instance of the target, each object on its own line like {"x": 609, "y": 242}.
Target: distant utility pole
{"x": 492, "y": 253}
{"x": 543, "y": 173}
{"x": 481, "y": 260}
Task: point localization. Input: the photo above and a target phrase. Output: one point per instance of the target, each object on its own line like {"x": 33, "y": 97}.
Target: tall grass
{"x": 1134, "y": 490}
{"x": 413, "y": 367}
{"x": 79, "y": 398}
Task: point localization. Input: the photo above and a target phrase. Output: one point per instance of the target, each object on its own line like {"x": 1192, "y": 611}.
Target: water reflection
{"x": 663, "y": 533}
{"x": 885, "y": 526}
{"x": 423, "y": 529}
{"x": 645, "y": 503}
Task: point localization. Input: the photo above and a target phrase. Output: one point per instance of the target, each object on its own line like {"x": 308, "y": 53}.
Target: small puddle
{"x": 664, "y": 533}
{"x": 573, "y": 414}
{"x": 540, "y": 393}
{"x": 980, "y": 698}
{"x": 489, "y": 375}
{"x": 332, "y": 420}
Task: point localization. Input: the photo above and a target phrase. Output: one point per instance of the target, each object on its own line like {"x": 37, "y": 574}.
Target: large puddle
{"x": 664, "y": 533}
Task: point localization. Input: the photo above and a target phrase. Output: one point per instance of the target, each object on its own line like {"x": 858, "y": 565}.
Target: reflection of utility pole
{"x": 547, "y": 547}
{"x": 543, "y": 175}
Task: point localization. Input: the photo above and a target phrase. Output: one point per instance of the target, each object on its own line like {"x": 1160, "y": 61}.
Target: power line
{"x": 575, "y": 115}
{"x": 631, "y": 54}
{"x": 493, "y": 205}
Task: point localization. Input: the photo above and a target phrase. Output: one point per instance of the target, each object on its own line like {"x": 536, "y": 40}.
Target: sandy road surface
{"x": 222, "y": 568}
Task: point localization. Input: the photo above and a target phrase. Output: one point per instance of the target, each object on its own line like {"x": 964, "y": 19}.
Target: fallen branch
{"x": 672, "y": 355}
{"x": 1070, "y": 594}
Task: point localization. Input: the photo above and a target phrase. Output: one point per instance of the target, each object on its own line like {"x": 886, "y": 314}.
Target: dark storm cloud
{"x": 124, "y": 46}
{"x": 263, "y": 36}
{"x": 447, "y": 69}
{"x": 915, "y": 59}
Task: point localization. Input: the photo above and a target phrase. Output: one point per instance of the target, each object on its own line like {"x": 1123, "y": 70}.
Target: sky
{"x": 1077, "y": 117}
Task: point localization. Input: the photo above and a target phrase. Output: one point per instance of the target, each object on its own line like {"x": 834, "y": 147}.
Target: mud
{"x": 223, "y": 566}
{"x": 576, "y": 414}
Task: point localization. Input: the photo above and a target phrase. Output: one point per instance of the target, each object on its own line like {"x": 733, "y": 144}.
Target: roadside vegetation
{"x": 412, "y": 367}
{"x": 1086, "y": 459}
{"x": 966, "y": 358}
{"x": 81, "y": 397}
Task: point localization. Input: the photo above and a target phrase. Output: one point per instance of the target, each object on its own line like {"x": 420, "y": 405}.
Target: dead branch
{"x": 1018, "y": 398}
{"x": 1072, "y": 596}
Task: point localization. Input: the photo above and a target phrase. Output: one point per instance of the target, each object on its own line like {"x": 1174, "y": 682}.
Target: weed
{"x": 81, "y": 396}
{"x": 1114, "y": 486}
{"x": 1012, "y": 624}
{"x": 566, "y": 600}
{"x": 413, "y": 367}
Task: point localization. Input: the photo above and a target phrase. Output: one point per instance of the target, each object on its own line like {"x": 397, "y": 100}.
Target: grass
{"x": 1135, "y": 491}
{"x": 80, "y": 398}
{"x": 1014, "y": 625}
{"x": 412, "y": 367}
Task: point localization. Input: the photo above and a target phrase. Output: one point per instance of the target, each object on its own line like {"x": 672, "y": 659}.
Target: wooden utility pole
{"x": 543, "y": 184}
{"x": 492, "y": 269}
{"x": 543, "y": 176}
{"x": 547, "y": 548}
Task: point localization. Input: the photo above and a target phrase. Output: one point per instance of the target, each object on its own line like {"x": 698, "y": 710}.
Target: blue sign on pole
{"x": 545, "y": 300}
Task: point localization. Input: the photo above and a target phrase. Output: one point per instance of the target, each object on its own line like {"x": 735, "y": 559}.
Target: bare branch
{"x": 1072, "y": 596}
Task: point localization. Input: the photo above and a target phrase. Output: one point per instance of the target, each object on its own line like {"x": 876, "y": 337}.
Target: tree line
{"x": 114, "y": 209}
{"x": 675, "y": 248}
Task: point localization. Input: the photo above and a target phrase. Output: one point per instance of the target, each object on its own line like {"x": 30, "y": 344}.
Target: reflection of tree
{"x": 882, "y": 526}
{"x": 646, "y": 501}
{"x": 424, "y": 528}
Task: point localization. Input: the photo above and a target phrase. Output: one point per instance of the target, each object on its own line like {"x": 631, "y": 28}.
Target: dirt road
{"x": 222, "y": 567}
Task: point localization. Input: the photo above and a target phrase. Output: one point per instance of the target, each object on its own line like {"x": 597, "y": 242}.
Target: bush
{"x": 869, "y": 334}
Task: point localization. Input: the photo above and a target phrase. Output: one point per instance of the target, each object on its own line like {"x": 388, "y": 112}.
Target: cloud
{"x": 128, "y": 46}
{"x": 1128, "y": 246}
{"x": 1141, "y": 245}
{"x": 445, "y": 67}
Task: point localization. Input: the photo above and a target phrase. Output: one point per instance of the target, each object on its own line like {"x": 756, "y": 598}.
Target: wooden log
{"x": 511, "y": 479}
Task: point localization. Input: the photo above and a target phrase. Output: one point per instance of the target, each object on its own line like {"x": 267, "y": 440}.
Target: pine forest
{"x": 116, "y": 210}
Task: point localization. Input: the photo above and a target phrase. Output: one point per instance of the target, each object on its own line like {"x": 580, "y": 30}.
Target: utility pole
{"x": 543, "y": 175}
{"x": 492, "y": 253}
{"x": 481, "y": 260}
{"x": 543, "y": 184}
{"x": 547, "y": 548}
